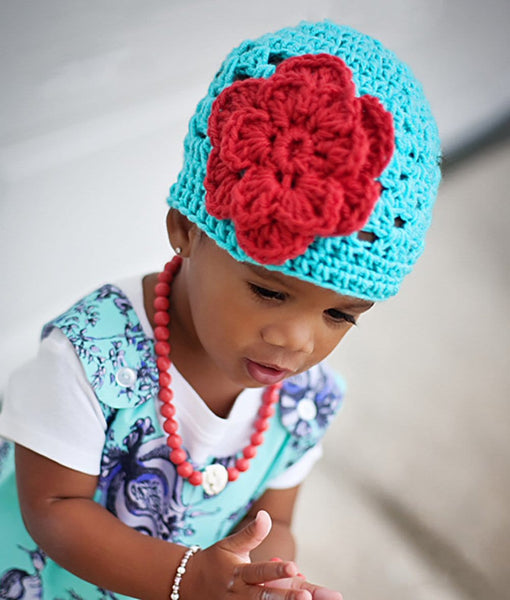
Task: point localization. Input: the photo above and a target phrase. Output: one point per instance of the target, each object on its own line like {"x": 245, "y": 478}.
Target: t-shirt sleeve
{"x": 50, "y": 408}
{"x": 298, "y": 472}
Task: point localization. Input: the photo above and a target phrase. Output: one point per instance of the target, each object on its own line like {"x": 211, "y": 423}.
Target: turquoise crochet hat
{"x": 315, "y": 154}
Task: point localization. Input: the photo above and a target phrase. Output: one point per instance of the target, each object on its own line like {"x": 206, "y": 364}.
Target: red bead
{"x": 257, "y": 438}
{"x": 272, "y": 394}
{"x": 242, "y": 464}
{"x": 266, "y": 411}
{"x": 166, "y": 395}
{"x": 161, "y": 333}
{"x": 185, "y": 469}
{"x": 178, "y": 456}
{"x": 163, "y": 363}
{"x": 233, "y": 473}
{"x": 272, "y": 398}
{"x": 168, "y": 411}
{"x": 195, "y": 478}
{"x": 161, "y": 303}
{"x": 165, "y": 379}
{"x": 162, "y": 289}
{"x": 174, "y": 441}
{"x": 171, "y": 426}
{"x": 250, "y": 451}
{"x": 161, "y": 317}
{"x": 261, "y": 424}
{"x": 172, "y": 266}
{"x": 164, "y": 277}
{"x": 162, "y": 348}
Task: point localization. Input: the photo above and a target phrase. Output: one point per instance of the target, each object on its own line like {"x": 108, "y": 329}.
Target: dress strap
{"x": 108, "y": 338}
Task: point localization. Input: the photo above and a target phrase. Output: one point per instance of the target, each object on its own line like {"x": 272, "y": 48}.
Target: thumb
{"x": 249, "y": 537}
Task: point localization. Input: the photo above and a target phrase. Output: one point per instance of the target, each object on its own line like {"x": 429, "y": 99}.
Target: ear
{"x": 181, "y": 231}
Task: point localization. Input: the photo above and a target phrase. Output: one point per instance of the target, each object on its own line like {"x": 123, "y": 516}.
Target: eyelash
{"x": 337, "y": 316}
{"x": 266, "y": 294}
{"x": 340, "y": 317}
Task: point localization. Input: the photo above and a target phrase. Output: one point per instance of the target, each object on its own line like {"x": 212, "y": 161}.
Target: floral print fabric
{"x": 137, "y": 482}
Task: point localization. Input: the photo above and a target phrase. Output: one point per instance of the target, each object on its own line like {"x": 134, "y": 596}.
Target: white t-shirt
{"x": 50, "y": 408}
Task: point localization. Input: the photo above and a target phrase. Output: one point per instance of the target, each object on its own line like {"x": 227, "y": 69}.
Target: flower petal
{"x": 240, "y": 94}
{"x": 245, "y": 139}
{"x": 219, "y": 183}
{"x": 272, "y": 243}
{"x": 255, "y": 198}
{"x": 360, "y": 197}
{"x": 378, "y": 125}
{"x": 314, "y": 204}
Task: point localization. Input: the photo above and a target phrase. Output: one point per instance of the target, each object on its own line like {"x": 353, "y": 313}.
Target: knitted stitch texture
{"x": 295, "y": 156}
{"x": 315, "y": 242}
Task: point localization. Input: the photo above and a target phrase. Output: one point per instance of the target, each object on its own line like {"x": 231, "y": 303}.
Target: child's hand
{"x": 224, "y": 570}
{"x": 300, "y": 583}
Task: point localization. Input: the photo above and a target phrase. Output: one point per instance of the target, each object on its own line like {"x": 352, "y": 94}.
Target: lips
{"x": 266, "y": 374}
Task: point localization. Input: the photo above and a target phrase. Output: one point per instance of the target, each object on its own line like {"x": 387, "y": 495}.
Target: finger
{"x": 264, "y": 572}
{"x": 277, "y": 559}
{"x": 325, "y": 594}
{"x": 248, "y": 538}
{"x": 317, "y": 592}
{"x": 268, "y": 593}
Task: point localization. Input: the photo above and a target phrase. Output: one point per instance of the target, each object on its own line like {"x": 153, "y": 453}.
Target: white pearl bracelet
{"x": 181, "y": 569}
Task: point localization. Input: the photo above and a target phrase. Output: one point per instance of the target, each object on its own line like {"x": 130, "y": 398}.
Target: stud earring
{"x": 178, "y": 250}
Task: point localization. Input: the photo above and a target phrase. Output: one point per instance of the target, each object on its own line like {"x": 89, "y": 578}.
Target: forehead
{"x": 299, "y": 286}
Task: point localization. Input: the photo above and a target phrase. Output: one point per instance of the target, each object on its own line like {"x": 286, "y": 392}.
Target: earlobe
{"x": 181, "y": 232}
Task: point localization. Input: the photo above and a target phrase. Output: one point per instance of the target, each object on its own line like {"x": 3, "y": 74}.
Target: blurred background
{"x": 411, "y": 499}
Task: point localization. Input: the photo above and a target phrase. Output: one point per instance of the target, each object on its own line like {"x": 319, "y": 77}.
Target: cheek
{"x": 220, "y": 321}
{"x": 329, "y": 340}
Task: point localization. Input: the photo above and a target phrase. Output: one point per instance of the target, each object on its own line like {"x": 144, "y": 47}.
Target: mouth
{"x": 266, "y": 374}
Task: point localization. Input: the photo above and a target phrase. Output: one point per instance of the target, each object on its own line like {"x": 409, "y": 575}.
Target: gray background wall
{"x": 94, "y": 105}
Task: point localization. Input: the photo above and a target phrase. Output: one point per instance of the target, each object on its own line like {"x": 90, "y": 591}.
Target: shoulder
{"x": 116, "y": 354}
{"x": 101, "y": 311}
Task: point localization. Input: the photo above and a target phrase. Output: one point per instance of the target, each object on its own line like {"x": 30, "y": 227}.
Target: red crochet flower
{"x": 295, "y": 156}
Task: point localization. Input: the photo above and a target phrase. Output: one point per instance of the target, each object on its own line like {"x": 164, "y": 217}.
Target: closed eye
{"x": 266, "y": 293}
{"x": 339, "y": 316}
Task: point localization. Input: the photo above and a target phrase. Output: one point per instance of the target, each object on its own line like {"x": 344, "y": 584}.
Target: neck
{"x": 188, "y": 355}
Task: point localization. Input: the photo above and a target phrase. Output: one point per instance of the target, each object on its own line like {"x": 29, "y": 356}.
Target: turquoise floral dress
{"x": 137, "y": 481}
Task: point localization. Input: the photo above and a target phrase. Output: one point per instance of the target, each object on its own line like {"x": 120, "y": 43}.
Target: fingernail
{"x": 291, "y": 569}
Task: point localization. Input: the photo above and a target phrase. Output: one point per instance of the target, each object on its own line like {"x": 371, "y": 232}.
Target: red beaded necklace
{"x": 214, "y": 477}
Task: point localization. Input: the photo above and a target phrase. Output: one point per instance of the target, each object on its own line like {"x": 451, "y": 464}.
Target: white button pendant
{"x": 215, "y": 479}
{"x": 126, "y": 377}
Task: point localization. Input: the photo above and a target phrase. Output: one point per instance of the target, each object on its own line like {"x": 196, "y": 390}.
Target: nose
{"x": 294, "y": 335}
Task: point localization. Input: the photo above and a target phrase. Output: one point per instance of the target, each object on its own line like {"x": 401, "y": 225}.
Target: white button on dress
{"x": 126, "y": 377}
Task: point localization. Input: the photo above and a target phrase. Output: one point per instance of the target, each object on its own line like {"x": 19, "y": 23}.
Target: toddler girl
{"x": 163, "y": 430}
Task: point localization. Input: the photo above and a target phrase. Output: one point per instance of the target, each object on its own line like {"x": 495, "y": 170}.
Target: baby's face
{"x": 257, "y": 326}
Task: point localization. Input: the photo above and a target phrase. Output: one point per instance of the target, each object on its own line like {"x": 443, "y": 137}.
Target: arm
{"x": 84, "y": 538}
{"x": 80, "y": 535}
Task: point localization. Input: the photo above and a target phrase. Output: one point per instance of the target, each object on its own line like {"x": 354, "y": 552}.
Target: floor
{"x": 415, "y": 475}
